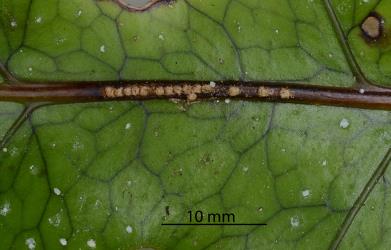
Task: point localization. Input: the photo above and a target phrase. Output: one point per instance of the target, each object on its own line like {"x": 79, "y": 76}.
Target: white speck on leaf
{"x": 56, "y": 191}
{"x": 5, "y": 150}
{"x": 239, "y": 27}
{"x": 30, "y": 243}
{"x": 129, "y": 229}
{"x": 161, "y": 37}
{"x": 102, "y": 49}
{"x": 295, "y": 222}
{"x": 63, "y": 241}
{"x": 91, "y": 243}
{"x": 55, "y": 220}
{"x": 5, "y": 209}
{"x": 14, "y": 24}
{"x": 227, "y": 101}
{"x": 306, "y": 193}
{"x": 324, "y": 163}
{"x": 38, "y": 19}
{"x": 212, "y": 84}
{"x": 344, "y": 123}
{"x": 128, "y": 125}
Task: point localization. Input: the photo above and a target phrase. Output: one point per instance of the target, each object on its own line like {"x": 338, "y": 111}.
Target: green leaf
{"x": 106, "y": 175}
{"x": 85, "y": 40}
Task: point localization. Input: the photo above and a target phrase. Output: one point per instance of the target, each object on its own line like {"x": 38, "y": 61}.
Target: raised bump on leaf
{"x": 373, "y": 27}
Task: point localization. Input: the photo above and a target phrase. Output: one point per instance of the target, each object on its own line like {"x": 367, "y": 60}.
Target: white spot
{"x": 344, "y": 123}
{"x": 38, "y": 19}
{"x": 79, "y": 12}
{"x": 91, "y": 243}
{"x": 227, "y": 101}
{"x": 330, "y": 55}
{"x": 5, "y": 209}
{"x": 102, "y": 49}
{"x": 30, "y": 243}
{"x": 128, "y": 125}
{"x": 30, "y": 69}
{"x": 56, "y": 191}
{"x": 161, "y": 37}
{"x": 5, "y": 150}
{"x": 14, "y": 24}
{"x": 53, "y": 145}
{"x": 55, "y": 220}
{"x": 324, "y": 163}
{"x": 63, "y": 242}
{"x": 362, "y": 91}
{"x": 212, "y": 84}
{"x": 276, "y": 30}
{"x": 129, "y": 229}
{"x": 129, "y": 182}
{"x": 295, "y": 222}
{"x": 306, "y": 193}
{"x": 245, "y": 169}
{"x": 283, "y": 150}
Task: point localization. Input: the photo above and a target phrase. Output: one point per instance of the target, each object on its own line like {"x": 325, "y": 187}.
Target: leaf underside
{"x": 109, "y": 174}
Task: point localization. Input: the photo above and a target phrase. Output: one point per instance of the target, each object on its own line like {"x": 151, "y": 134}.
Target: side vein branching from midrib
{"x": 382, "y": 167}
{"x": 361, "y": 79}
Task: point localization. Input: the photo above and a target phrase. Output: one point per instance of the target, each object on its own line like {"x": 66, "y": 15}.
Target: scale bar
{"x": 213, "y": 224}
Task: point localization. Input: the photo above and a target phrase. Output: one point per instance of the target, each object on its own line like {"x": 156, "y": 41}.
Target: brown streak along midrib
{"x": 374, "y": 98}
